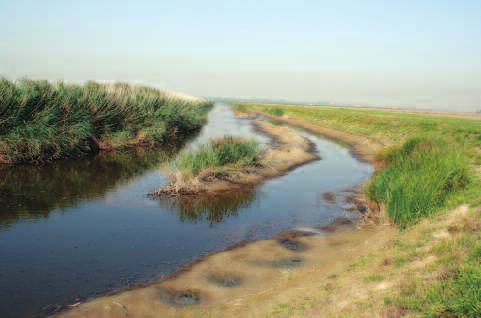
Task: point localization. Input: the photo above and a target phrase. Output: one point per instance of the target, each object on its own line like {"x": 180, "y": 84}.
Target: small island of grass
{"x": 220, "y": 154}
{"x": 233, "y": 163}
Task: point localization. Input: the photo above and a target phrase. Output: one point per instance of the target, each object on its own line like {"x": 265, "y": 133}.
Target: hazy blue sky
{"x": 394, "y": 53}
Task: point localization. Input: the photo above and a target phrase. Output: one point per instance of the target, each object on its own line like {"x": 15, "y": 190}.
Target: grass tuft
{"x": 417, "y": 178}
{"x": 219, "y": 153}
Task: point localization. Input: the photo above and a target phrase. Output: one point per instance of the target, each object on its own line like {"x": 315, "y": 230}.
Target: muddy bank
{"x": 362, "y": 147}
{"x": 286, "y": 151}
{"x": 244, "y": 281}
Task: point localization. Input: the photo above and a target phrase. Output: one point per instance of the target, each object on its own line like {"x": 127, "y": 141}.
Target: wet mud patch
{"x": 329, "y": 197}
{"x": 292, "y": 245}
{"x": 355, "y": 201}
{"x": 289, "y": 240}
{"x": 180, "y": 298}
{"x": 224, "y": 279}
{"x": 336, "y": 224}
{"x": 279, "y": 262}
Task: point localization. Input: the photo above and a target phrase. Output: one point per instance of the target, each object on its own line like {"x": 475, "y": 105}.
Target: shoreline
{"x": 361, "y": 147}
{"x": 191, "y": 290}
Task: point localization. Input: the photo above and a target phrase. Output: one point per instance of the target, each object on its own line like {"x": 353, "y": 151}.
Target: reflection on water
{"x": 28, "y": 192}
{"x": 209, "y": 208}
{"x": 76, "y": 229}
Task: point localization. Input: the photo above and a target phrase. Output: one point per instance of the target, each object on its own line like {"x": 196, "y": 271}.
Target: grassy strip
{"x": 417, "y": 178}
{"x": 41, "y": 121}
{"x": 456, "y": 290}
{"x": 219, "y": 153}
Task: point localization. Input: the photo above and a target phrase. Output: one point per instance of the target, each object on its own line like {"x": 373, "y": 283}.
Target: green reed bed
{"x": 219, "y": 153}
{"x": 418, "y": 177}
{"x": 42, "y": 121}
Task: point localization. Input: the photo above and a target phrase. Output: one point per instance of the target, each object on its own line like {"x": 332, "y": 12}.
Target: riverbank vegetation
{"x": 42, "y": 121}
{"x": 219, "y": 154}
{"x": 428, "y": 182}
{"x": 219, "y": 157}
{"x": 417, "y": 178}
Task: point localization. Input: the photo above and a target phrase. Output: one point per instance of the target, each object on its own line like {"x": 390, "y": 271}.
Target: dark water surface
{"x": 75, "y": 229}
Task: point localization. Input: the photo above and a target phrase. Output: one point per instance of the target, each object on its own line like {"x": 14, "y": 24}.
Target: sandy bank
{"x": 286, "y": 151}
{"x": 244, "y": 281}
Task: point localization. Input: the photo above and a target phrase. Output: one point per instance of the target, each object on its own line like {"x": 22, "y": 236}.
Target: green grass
{"x": 391, "y": 128}
{"x": 42, "y": 121}
{"x": 418, "y": 178}
{"x": 455, "y": 292}
{"x": 219, "y": 153}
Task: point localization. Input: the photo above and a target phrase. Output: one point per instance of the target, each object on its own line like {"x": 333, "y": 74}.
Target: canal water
{"x": 76, "y": 229}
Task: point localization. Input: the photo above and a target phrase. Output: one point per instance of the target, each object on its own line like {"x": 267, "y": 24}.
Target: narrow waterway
{"x": 76, "y": 229}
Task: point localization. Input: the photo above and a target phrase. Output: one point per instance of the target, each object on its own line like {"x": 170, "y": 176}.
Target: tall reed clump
{"x": 219, "y": 153}
{"x": 417, "y": 178}
{"x": 41, "y": 121}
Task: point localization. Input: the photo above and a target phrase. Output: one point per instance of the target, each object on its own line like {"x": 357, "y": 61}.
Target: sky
{"x": 416, "y": 54}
